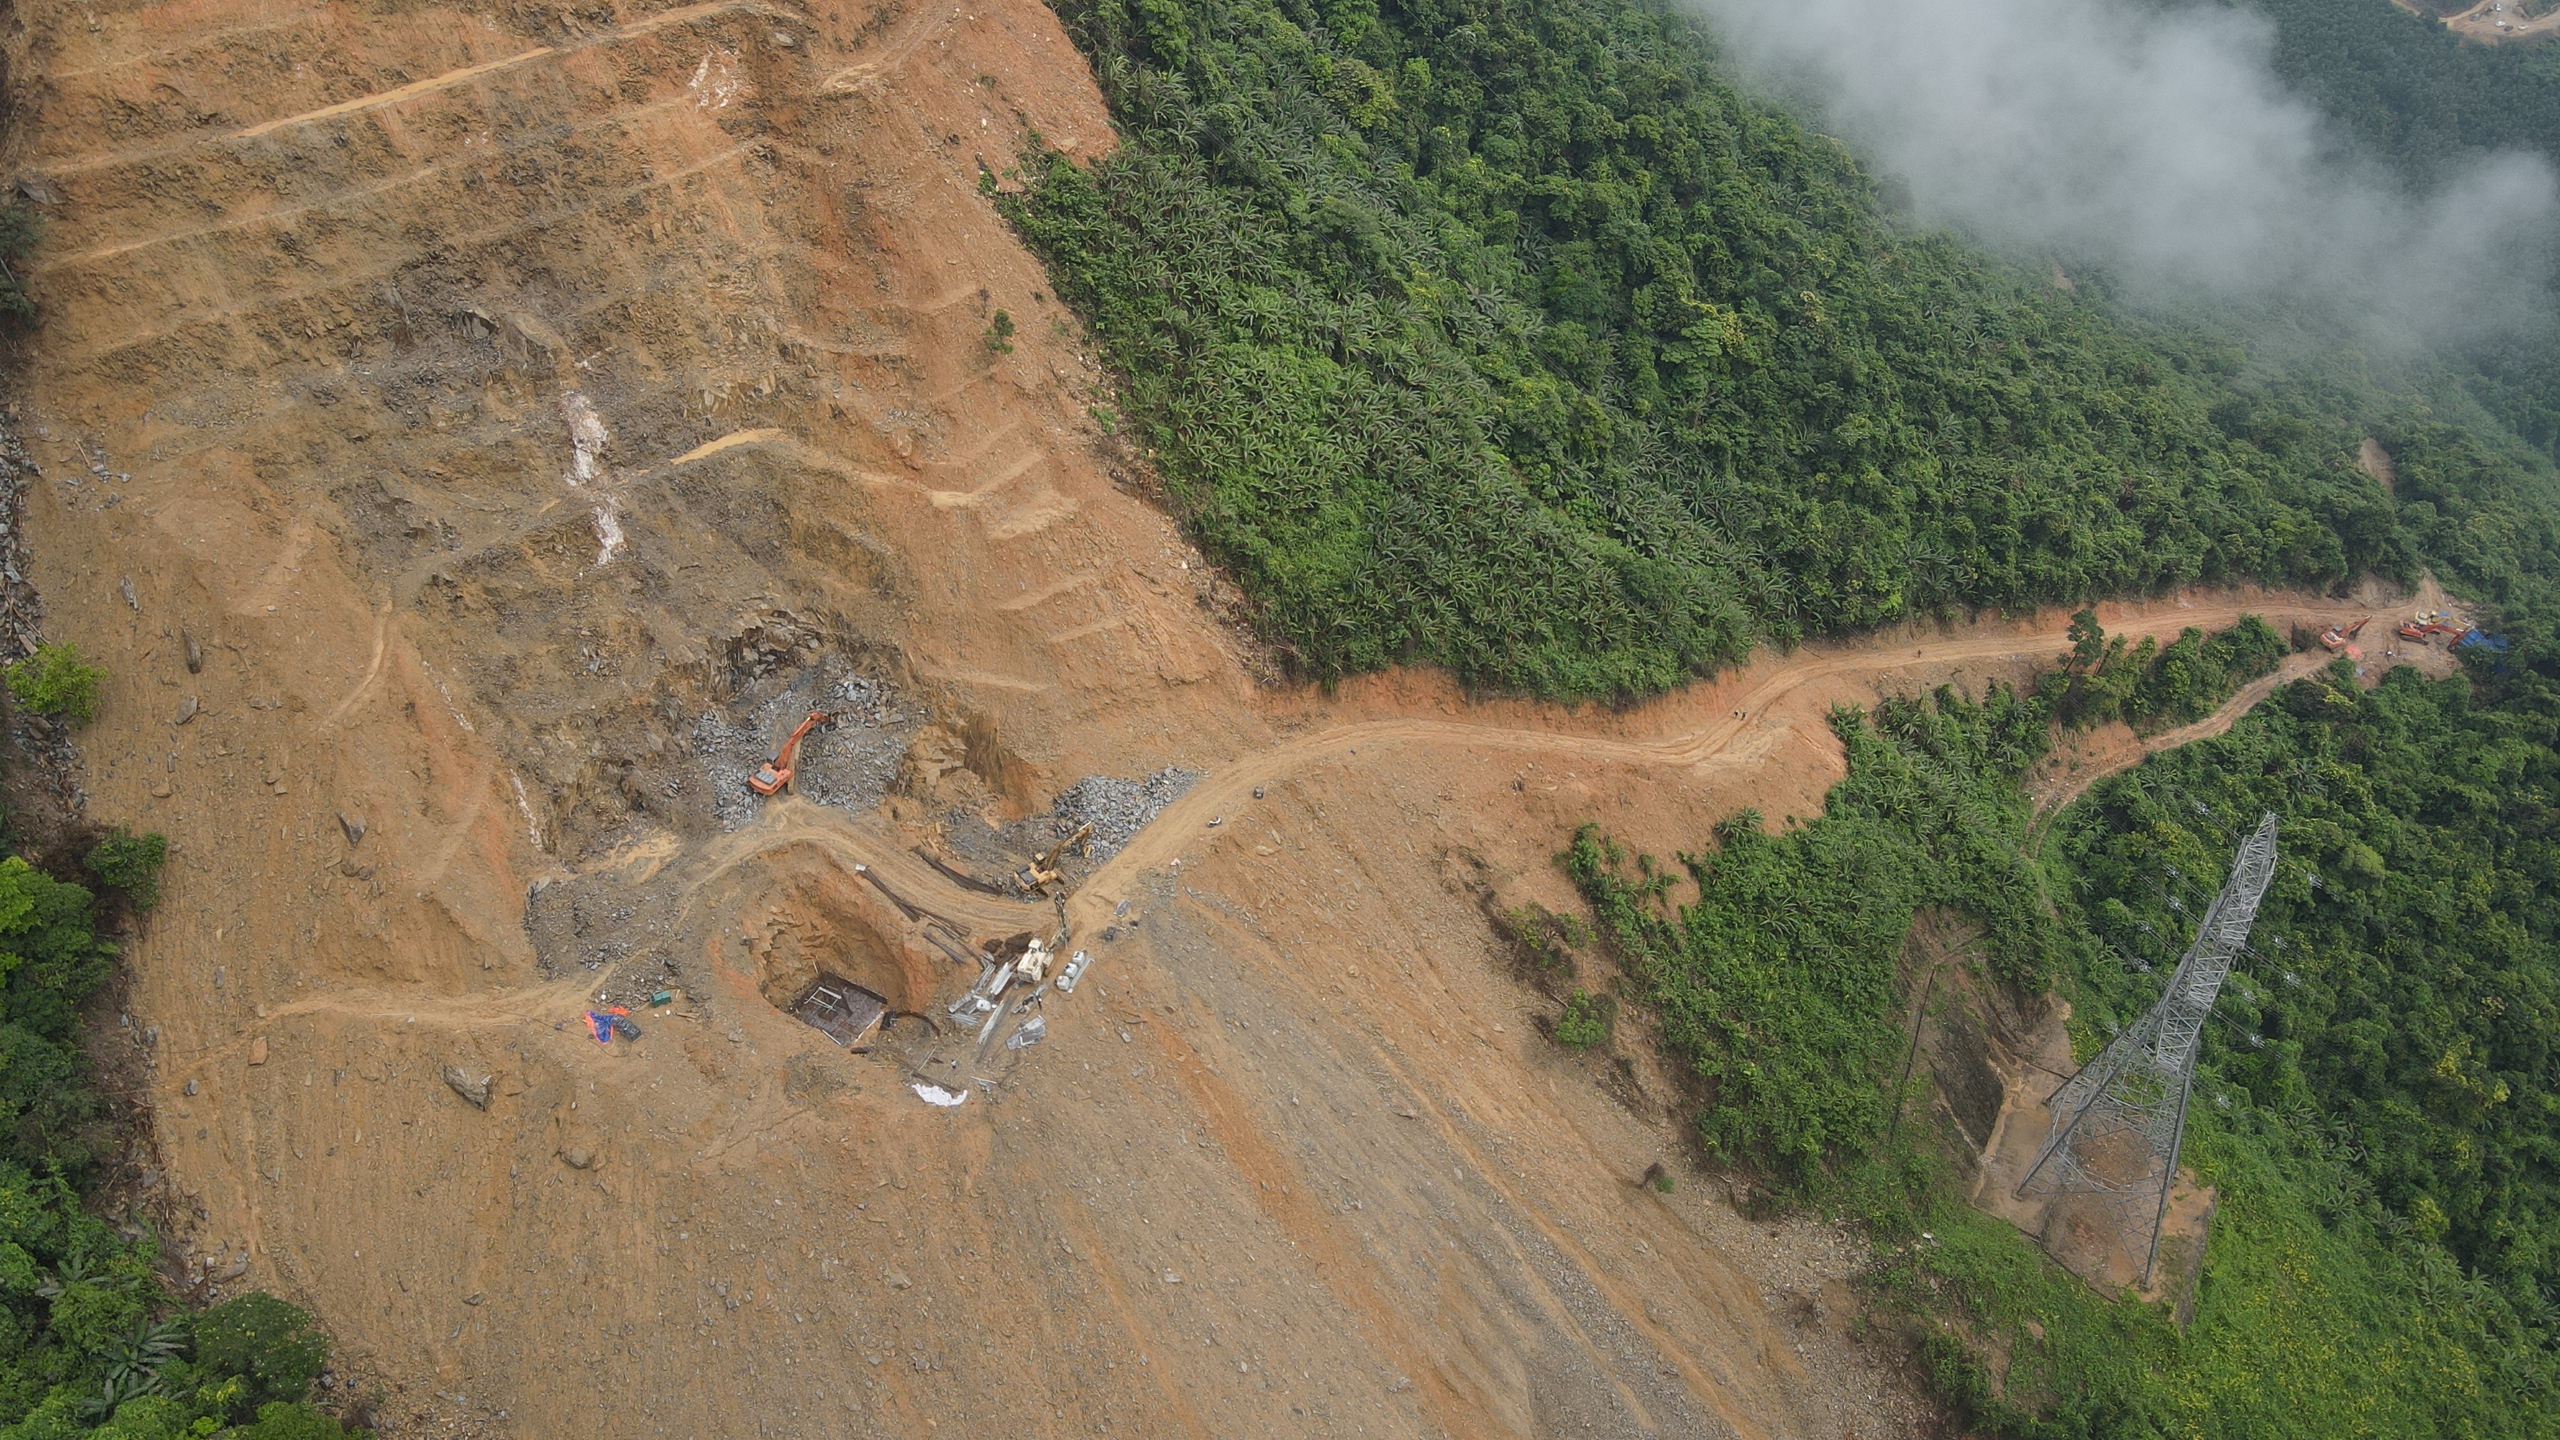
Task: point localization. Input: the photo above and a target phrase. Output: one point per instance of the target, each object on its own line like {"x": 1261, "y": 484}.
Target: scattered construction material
{"x": 951, "y": 944}
{"x": 2118, "y": 1123}
{"x": 910, "y": 911}
{"x": 1076, "y": 966}
{"x": 906, "y": 907}
{"x": 771, "y": 777}
{"x": 956, "y": 875}
{"x": 936, "y": 1095}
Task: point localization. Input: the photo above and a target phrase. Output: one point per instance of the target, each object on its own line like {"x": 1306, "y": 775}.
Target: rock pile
{"x": 1118, "y": 809}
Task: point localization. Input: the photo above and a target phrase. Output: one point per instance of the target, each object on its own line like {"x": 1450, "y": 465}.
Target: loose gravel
{"x": 849, "y": 763}
{"x": 1118, "y": 809}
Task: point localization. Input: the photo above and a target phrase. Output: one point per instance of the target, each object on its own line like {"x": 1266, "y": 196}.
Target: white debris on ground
{"x": 608, "y": 533}
{"x": 716, "y": 81}
{"x": 588, "y": 440}
{"x": 1118, "y": 809}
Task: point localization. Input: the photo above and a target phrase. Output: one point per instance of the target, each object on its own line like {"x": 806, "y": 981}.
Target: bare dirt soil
{"x": 469, "y": 436}
{"x": 2497, "y": 23}
{"x": 2491, "y": 22}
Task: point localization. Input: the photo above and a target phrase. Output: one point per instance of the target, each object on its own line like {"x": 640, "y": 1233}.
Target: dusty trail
{"x": 2052, "y": 800}
{"x": 1761, "y": 723}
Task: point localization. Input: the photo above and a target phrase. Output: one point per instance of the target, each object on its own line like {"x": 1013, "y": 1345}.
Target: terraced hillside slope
{"x": 469, "y": 437}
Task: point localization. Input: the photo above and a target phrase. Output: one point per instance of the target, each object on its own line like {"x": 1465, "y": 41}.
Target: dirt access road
{"x": 2491, "y": 22}
{"x": 467, "y": 434}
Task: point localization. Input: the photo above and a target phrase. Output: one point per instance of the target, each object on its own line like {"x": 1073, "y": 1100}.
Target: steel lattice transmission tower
{"x": 2118, "y": 1123}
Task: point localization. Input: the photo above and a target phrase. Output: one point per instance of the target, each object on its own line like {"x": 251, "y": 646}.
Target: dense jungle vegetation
{"x": 2376, "y": 1109}
{"x": 92, "y": 1342}
{"x": 2409, "y": 89}
{"x": 2427, "y": 104}
{"x": 1510, "y": 337}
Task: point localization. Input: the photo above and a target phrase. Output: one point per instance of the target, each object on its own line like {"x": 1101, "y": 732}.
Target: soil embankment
{"x": 506, "y": 421}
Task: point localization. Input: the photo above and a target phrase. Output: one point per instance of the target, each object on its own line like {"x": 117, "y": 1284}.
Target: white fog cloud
{"x": 2158, "y": 143}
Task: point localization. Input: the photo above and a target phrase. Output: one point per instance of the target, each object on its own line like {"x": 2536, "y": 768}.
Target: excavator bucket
{"x": 774, "y": 774}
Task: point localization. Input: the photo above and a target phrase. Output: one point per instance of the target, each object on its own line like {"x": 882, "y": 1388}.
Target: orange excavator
{"x": 774, "y": 774}
{"x": 2336, "y": 637}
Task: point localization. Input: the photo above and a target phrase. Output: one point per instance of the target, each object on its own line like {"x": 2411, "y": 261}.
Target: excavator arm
{"x": 772, "y": 776}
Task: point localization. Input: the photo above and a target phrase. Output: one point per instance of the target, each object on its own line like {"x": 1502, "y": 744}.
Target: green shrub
{"x": 53, "y": 681}
{"x": 130, "y": 863}
{"x": 280, "y": 1421}
{"x": 1585, "y": 1021}
{"x": 1541, "y": 940}
{"x": 278, "y": 1348}
{"x": 2150, "y": 686}
{"x": 999, "y": 336}
{"x": 51, "y": 959}
{"x": 94, "y": 1316}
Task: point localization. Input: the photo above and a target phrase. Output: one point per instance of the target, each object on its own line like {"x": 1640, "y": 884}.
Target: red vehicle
{"x": 774, "y": 774}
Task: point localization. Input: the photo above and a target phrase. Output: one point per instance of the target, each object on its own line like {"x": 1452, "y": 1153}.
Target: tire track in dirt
{"x": 1343, "y": 1270}
{"x": 631, "y": 31}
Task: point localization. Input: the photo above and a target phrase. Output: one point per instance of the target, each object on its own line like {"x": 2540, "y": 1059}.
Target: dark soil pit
{"x": 840, "y": 1010}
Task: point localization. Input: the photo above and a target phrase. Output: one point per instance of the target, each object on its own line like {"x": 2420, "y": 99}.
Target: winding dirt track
{"x": 1774, "y": 702}
{"x": 2057, "y": 798}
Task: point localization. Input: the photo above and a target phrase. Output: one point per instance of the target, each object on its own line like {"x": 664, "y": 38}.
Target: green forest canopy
{"x": 2429, "y": 104}
{"x": 2378, "y": 1105}
{"x": 1512, "y": 338}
